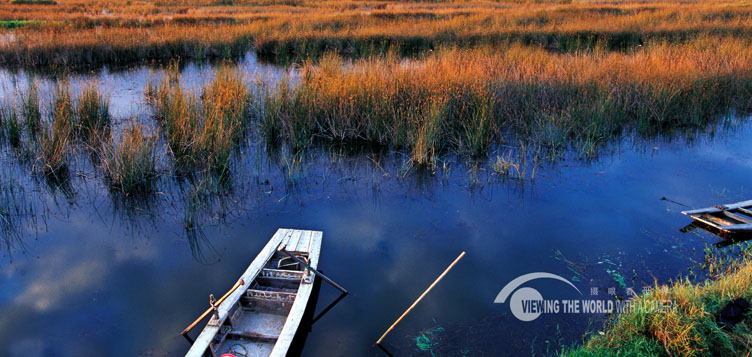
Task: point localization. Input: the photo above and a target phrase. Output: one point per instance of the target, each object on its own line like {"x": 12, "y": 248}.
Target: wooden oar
{"x": 421, "y": 297}
{"x": 307, "y": 266}
{"x": 191, "y": 326}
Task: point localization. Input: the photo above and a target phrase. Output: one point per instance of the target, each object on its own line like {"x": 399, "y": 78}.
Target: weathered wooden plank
{"x": 730, "y": 207}
{"x": 745, "y": 211}
{"x": 304, "y": 242}
{"x": 717, "y": 220}
{"x": 739, "y": 228}
{"x": 286, "y": 239}
{"x": 211, "y": 329}
{"x": 294, "y": 240}
{"x": 737, "y": 217}
{"x": 251, "y": 336}
{"x": 281, "y": 274}
{"x": 700, "y": 218}
{"x": 271, "y": 295}
{"x": 298, "y": 307}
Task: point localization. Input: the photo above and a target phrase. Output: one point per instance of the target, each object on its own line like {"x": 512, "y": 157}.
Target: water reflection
{"x": 122, "y": 275}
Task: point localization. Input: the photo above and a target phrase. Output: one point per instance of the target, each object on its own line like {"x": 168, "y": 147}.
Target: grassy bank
{"x": 112, "y": 32}
{"x": 691, "y": 329}
{"x": 470, "y": 100}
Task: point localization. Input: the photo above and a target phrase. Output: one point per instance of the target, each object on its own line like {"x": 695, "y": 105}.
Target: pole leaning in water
{"x": 421, "y": 297}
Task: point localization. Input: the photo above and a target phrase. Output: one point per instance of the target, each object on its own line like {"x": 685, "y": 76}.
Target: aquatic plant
{"x": 33, "y": 2}
{"x": 469, "y": 100}
{"x": 131, "y": 164}
{"x": 30, "y": 108}
{"x": 55, "y": 142}
{"x": 92, "y": 115}
{"x": 202, "y": 132}
{"x": 73, "y": 33}
{"x": 225, "y": 110}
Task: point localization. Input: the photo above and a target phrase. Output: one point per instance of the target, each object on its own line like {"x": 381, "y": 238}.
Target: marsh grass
{"x": 690, "y": 328}
{"x": 92, "y": 115}
{"x": 31, "y": 109}
{"x": 55, "y": 143}
{"x": 75, "y": 33}
{"x": 131, "y": 164}
{"x": 11, "y": 126}
{"x": 203, "y": 131}
{"x": 471, "y": 100}
{"x": 33, "y": 2}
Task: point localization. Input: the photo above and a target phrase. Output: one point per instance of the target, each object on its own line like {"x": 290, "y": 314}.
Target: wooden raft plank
{"x": 730, "y": 207}
{"x": 739, "y": 228}
{"x": 745, "y": 211}
{"x": 737, "y": 217}
{"x": 720, "y": 221}
{"x": 299, "y": 306}
{"x": 202, "y": 341}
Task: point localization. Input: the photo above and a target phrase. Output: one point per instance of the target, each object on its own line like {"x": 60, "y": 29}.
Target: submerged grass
{"x": 691, "y": 328}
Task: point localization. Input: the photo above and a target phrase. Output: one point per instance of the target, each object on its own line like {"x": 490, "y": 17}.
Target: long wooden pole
{"x": 191, "y": 326}
{"x": 421, "y": 297}
{"x": 307, "y": 266}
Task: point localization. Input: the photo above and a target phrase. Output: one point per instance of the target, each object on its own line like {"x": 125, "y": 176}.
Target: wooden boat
{"x": 261, "y": 316}
{"x": 728, "y": 218}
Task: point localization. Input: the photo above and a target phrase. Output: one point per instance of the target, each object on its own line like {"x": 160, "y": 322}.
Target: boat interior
{"x": 256, "y": 322}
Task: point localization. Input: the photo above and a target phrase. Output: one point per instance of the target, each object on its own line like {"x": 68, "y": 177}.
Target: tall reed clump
{"x": 55, "y": 142}
{"x": 11, "y": 126}
{"x": 30, "y": 108}
{"x": 131, "y": 164}
{"x": 202, "y": 132}
{"x": 225, "y": 111}
{"x": 92, "y": 115}
{"x": 469, "y": 100}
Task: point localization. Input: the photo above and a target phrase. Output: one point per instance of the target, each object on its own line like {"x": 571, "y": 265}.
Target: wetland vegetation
{"x": 502, "y": 87}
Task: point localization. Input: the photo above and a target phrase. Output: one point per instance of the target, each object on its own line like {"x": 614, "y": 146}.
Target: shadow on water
{"x": 310, "y": 317}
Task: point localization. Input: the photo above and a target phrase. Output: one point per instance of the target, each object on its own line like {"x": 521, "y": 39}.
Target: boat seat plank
{"x": 281, "y": 274}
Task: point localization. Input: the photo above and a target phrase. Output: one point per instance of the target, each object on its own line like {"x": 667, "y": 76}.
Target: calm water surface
{"x": 90, "y": 274}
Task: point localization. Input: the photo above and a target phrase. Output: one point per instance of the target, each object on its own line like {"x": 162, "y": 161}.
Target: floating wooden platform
{"x": 260, "y": 318}
{"x": 728, "y": 218}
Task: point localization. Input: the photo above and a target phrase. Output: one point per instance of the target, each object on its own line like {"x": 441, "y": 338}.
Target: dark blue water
{"x": 88, "y": 274}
